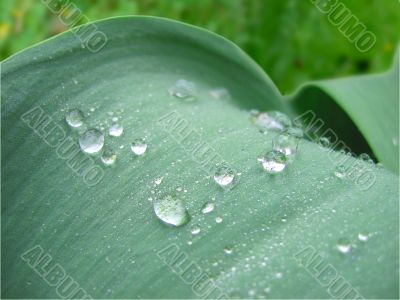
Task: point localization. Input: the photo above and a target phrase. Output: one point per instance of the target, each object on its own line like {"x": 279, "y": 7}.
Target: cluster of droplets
{"x": 285, "y": 142}
{"x": 92, "y": 140}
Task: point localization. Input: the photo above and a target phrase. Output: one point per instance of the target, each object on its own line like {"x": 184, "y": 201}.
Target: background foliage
{"x": 290, "y": 39}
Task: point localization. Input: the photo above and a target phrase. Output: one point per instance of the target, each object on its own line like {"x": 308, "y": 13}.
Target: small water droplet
{"x": 158, "y": 180}
{"x": 171, "y": 210}
{"x": 228, "y": 250}
{"x": 108, "y": 156}
{"x": 286, "y": 144}
{"x": 114, "y": 119}
{"x": 278, "y": 275}
{"x": 115, "y": 129}
{"x": 224, "y": 175}
{"x": 74, "y": 118}
{"x": 296, "y": 132}
{"x": 183, "y": 89}
{"x": 91, "y": 141}
{"x": 340, "y": 171}
{"x": 324, "y": 141}
{"x": 395, "y": 141}
{"x": 139, "y": 146}
{"x": 273, "y": 162}
{"x": 272, "y": 120}
{"x": 344, "y": 245}
{"x": 195, "y": 230}
{"x": 363, "y": 237}
{"x": 365, "y": 157}
{"x": 218, "y": 219}
{"x": 207, "y": 208}
{"x": 220, "y": 93}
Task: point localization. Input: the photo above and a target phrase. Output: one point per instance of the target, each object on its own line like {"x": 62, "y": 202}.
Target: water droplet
{"x": 91, "y": 141}
{"x": 158, "y": 180}
{"x": 296, "y": 132}
{"x": 220, "y": 93}
{"x": 228, "y": 250}
{"x": 344, "y": 245}
{"x": 363, "y": 237}
{"x": 108, "y": 156}
{"x": 183, "y": 89}
{"x": 195, "y": 230}
{"x": 218, "y": 219}
{"x": 340, "y": 171}
{"x": 171, "y": 210}
{"x": 115, "y": 129}
{"x": 286, "y": 144}
{"x": 224, "y": 175}
{"x": 324, "y": 141}
{"x": 278, "y": 275}
{"x": 207, "y": 208}
{"x": 365, "y": 157}
{"x": 273, "y": 161}
{"x": 139, "y": 146}
{"x": 272, "y": 120}
{"x": 114, "y": 119}
{"x": 74, "y": 118}
{"x": 395, "y": 141}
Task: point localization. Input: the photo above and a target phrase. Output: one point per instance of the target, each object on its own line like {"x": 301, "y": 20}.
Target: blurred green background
{"x": 291, "y": 39}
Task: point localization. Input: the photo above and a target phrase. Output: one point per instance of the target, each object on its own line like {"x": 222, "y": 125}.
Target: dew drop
{"x": 273, "y": 162}
{"x": 272, "y": 120}
{"x": 363, "y": 237}
{"x": 228, "y": 250}
{"x": 171, "y": 210}
{"x": 158, "y": 181}
{"x": 224, "y": 175}
{"x": 218, "y": 219}
{"x": 340, "y": 171}
{"x": 91, "y": 141}
{"x": 220, "y": 93}
{"x": 365, "y": 157}
{"x": 344, "y": 245}
{"x": 195, "y": 230}
{"x": 183, "y": 89}
{"x": 286, "y": 144}
{"x": 207, "y": 208}
{"x": 139, "y": 146}
{"x": 324, "y": 141}
{"x": 74, "y": 118}
{"x": 108, "y": 156}
{"x": 115, "y": 129}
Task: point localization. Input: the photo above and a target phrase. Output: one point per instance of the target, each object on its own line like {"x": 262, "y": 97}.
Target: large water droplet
{"x": 108, "y": 156}
{"x": 272, "y": 120}
{"x": 207, "y": 208}
{"x": 171, "y": 210}
{"x": 139, "y": 146}
{"x": 286, "y": 144}
{"x": 91, "y": 141}
{"x": 273, "y": 161}
{"x": 224, "y": 175}
{"x": 183, "y": 89}
{"x": 344, "y": 245}
{"x": 74, "y": 118}
{"x": 115, "y": 129}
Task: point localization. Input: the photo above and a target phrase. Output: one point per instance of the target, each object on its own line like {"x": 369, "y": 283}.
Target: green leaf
{"x": 370, "y": 102}
{"x": 106, "y": 235}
